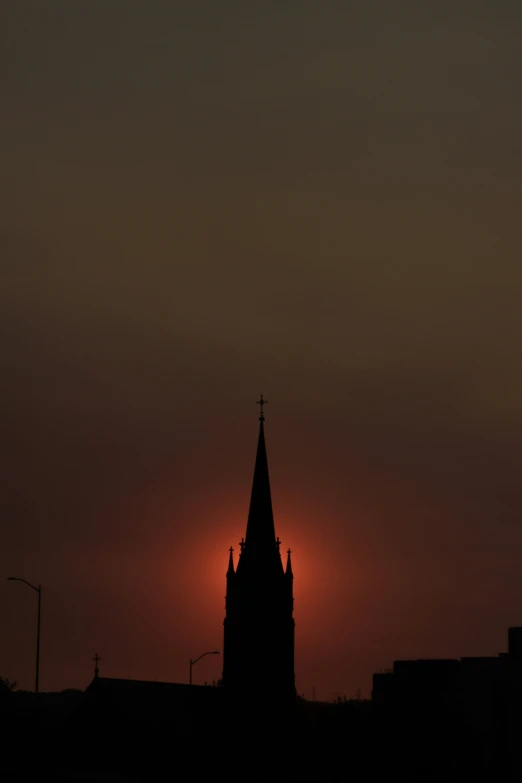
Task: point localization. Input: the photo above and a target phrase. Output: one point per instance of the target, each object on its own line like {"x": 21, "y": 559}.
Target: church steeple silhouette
{"x": 258, "y": 653}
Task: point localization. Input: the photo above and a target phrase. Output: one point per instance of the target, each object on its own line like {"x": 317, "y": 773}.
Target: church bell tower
{"x": 258, "y": 653}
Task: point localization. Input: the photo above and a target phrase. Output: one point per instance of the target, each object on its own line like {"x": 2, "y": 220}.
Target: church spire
{"x": 289, "y": 563}
{"x": 231, "y": 562}
{"x": 258, "y": 651}
{"x": 260, "y": 526}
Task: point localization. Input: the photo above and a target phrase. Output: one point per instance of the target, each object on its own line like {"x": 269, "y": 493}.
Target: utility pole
{"x": 39, "y": 591}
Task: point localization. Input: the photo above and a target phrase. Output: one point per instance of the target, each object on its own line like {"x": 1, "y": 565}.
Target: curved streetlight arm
{"x": 210, "y": 652}
{"x": 19, "y": 579}
{"x": 192, "y": 662}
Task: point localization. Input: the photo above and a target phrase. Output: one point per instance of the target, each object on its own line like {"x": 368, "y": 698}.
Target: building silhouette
{"x": 452, "y": 719}
{"x": 475, "y": 683}
{"x": 258, "y": 652}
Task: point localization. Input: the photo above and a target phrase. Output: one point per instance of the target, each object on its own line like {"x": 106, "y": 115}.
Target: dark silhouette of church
{"x": 258, "y": 652}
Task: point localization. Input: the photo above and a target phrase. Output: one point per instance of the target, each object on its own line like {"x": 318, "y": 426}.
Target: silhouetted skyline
{"x": 203, "y": 200}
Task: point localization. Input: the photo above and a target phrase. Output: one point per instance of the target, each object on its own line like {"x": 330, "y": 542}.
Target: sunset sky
{"x": 199, "y": 202}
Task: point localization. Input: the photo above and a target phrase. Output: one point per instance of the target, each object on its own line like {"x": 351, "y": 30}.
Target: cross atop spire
{"x": 96, "y": 660}
{"x": 261, "y": 402}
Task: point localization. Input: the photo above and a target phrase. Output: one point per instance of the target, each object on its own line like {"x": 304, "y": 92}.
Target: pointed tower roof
{"x": 260, "y": 526}
{"x": 231, "y": 562}
{"x": 289, "y": 563}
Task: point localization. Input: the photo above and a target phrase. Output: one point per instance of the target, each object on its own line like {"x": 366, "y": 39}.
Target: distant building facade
{"x": 258, "y": 652}
{"x": 485, "y": 680}
{"x": 452, "y": 719}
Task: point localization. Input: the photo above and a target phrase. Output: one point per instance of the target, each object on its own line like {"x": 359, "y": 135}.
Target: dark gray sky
{"x": 200, "y": 202}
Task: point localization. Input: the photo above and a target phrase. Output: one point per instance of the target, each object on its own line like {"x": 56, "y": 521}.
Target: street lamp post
{"x": 192, "y": 662}
{"x": 39, "y": 591}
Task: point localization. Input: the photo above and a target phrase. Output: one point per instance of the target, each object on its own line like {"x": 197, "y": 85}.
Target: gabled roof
{"x": 116, "y": 689}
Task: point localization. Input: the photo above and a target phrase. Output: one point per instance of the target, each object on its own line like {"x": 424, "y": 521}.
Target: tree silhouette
{"x": 6, "y": 686}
